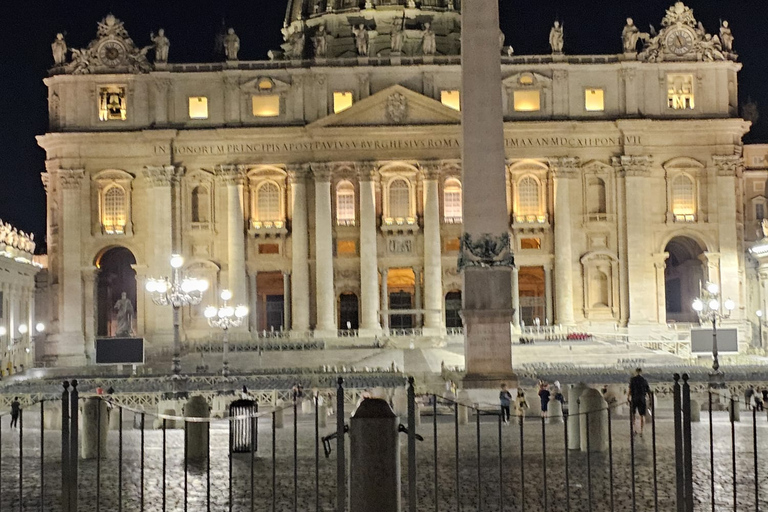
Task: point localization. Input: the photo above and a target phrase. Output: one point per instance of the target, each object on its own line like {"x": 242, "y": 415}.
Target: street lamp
{"x": 708, "y": 308}
{"x": 177, "y": 291}
{"x": 225, "y": 317}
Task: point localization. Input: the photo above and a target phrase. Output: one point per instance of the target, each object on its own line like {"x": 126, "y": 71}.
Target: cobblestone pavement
{"x": 495, "y": 483}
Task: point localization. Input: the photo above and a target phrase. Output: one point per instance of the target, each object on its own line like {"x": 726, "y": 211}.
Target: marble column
{"x": 564, "y": 170}
{"x": 487, "y": 294}
{"x": 70, "y": 340}
{"x": 369, "y": 274}
{"x": 660, "y": 264}
{"x": 516, "y": 296}
{"x": 417, "y": 295}
{"x": 384, "y": 300}
{"x": 548, "y": 298}
{"x": 253, "y": 302}
{"x": 287, "y": 300}
{"x": 299, "y": 251}
{"x": 729, "y": 170}
{"x": 433, "y": 270}
{"x": 326, "y": 296}
{"x": 232, "y": 178}
{"x": 621, "y": 232}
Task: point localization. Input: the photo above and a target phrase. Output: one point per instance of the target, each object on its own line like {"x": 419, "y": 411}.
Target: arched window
{"x": 268, "y": 203}
{"x": 399, "y": 200}
{"x": 201, "y": 204}
{"x": 528, "y": 200}
{"x": 345, "y": 204}
{"x": 683, "y": 198}
{"x": 113, "y": 216}
{"x": 596, "y": 196}
{"x": 452, "y": 201}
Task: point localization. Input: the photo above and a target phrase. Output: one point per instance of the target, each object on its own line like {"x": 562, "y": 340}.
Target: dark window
{"x": 348, "y": 314}
{"x": 400, "y": 300}
{"x": 452, "y": 309}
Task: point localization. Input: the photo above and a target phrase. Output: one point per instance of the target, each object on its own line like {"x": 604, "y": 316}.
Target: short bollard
{"x": 734, "y": 413}
{"x": 400, "y": 402}
{"x": 197, "y": 431}
{"x": 374, "y": 458}
{"x": 555, "y": 412}
{"x": 574, "y": 435}
{"x": 465, "y": 401}
{"x": 278, "y": 416}
{"x": 322, "y": 416}
{"x": 94, "y": 431}
{"x": 593, "y": 421}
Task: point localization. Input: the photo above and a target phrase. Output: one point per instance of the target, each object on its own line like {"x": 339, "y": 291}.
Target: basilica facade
{"x": 323, "y": 186}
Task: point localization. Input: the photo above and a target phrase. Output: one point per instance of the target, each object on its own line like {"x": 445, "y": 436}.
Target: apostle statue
{"x": 231, "y": 44}
{"x": 556, "y": 38}
{"x": 397, "y": 37}
{"x": 726, "y": 37}
{"x": 124, "y": 309}
{"x": 162, "y": 44}
{"x": 428, "y": 44}
{"x": 361, "y": 39}
{"x": 320, "y": 42}
{"x": 629, "y": 36}
{"x": 59, "y": 49}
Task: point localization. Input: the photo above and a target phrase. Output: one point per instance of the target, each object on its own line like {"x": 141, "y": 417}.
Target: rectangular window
{"x": 452, "y": 206}
{"x": 342, "y": 100}
{"x": 680, "y": 94}
{"x": 346, "y": 248}
{"x": 112, "y": 103}
{"x": 594, "y": 100}
{"x": 451, "y": 99}
{"x": 759, "y": 211}
{"x": 266, "y": 105}
{"x": 345, "y": 209}
{"x": 198, "y": 107}
{"x": 527, "y": 100}
{"x": 269, "y": 249}
{"x": 530, "y": 243}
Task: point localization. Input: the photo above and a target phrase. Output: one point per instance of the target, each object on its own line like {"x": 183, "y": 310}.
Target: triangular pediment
{"x": 392, "y": 106}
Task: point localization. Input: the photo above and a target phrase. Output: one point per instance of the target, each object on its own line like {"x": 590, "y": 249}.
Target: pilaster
{"x": 233, "y": 177}
{"x": 729, "y": 168}
{"x": 433, "y": 271}
{"x": 299, "y": 250}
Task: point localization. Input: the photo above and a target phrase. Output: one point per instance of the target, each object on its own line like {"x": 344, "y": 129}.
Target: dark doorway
{"x": 348, "y": 311}
{"x": 533, "y": 298}
{"x": 683, "y": 277}
{"x": 116, "y": 276}
{"x": 275, "y": 312}
{"x": 400, "y": 300}
{"x": 270, "y": 301}
{"x": 453, "y": 309}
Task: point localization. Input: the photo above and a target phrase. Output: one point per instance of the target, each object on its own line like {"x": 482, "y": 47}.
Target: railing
{"x": 416, "y": 331}
{"x": 348, "y": 333}
{"x": 455, "y": 331}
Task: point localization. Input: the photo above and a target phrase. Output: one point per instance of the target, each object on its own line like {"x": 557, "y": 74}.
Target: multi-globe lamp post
{"x": 177, "y": 291}
{"x": 226, "y": 317}
{"x": 708, "y": 308}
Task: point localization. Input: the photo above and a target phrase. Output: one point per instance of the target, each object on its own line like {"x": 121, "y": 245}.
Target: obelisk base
{"x": 488, "y": 349}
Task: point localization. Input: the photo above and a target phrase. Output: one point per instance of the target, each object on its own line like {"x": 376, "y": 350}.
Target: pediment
{"x": 394, "y": 106}
{"x": 596, "y": 167}
{"x": 527, "y": 79}
{"x": 265, "y": 84}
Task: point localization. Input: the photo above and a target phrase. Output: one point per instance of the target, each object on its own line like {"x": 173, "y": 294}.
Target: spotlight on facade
{"x": 23, "y": 329}
{"x": 40, "y": 327}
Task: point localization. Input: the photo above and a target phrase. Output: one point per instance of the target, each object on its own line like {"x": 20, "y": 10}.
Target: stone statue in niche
{"x": 428, "y": 43}
{"x": 124, "y": 309}
{"x": 397, "y": 37}
{"x": 361, "y": 39}
{"x": 231, "y": 44}
{"x": 162, "y": 45}
{"x": 59, "y": 49}
{"x": 556, "y": 38}
{"x": 320, "y": 42}
{"x": 726, "y": 37}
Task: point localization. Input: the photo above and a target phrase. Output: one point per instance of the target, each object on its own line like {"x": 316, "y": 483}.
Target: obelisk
{"x": 486, "y": 257}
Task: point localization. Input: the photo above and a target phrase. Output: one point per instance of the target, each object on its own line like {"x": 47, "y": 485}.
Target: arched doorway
{"x": 348, "y": 312}
{"x": 683, "y": 277}
{"x": 453, "y": 309}
{"x": 116, "y": 276}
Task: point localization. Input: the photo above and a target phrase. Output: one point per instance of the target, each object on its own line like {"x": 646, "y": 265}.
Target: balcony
{"x": 399, "y": 225}
{"x": 268, "y": 228}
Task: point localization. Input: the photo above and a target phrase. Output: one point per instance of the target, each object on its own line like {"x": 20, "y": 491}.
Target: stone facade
{"x": 325, "y": 191}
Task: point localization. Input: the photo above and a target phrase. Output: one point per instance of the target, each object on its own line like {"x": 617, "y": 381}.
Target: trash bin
{"x": 240, "y": 428}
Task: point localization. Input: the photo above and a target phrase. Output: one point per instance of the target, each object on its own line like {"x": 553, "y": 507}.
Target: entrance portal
{"x": 401, "y": 284}
{"x": 116, "y": 276}
{"x": 453, "y": 310}
{"x": 683, "y": 278}
{"x": 533, "y": 298}
{"x": 270, "y": 303}
{"x": 348, "y": 312}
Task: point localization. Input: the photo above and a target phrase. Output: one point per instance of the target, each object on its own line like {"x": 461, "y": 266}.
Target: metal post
{"x": 225, "y": 357}
{"x": 254, "y": 426}
{"x": 688, "y": 455}
{"x": 229, "y": 466}
{"x": 479, "y": 477}
{"x": 567, "y": 477}
{"x": 74, "y": 418}
{"x": 65, "y": 505}
{"x": 186, "y": 462}
{"x": 317, "y": 451}
{"x": 141, "y": 479}
{"x": 501, "y": 465}
{"x": 434, "y": 448}
{"x": 655, "y": 468}
{"x": 589, "y": 464}
{"x": 754, "y": 452}
{"x": 165, "y": 461}
{"x": 295, "y": 455}
{"x": 679, "y": 455}
{"x": 544, "y": 459}
{"x": 274, "y": 464}
{"x": 715, "y": 362}
{"x": 98, "y": 456}
{"x": 341, "y": 455}
{"x": 733, "y": 452}
{"x": 120, "y": 460}
{"x": 176, "y": 363}
{"x": 21, "y": 460}
{"x": 456, "y": 437}
{"x": 411, "y": 446}
{"x": 208, "y": 468}
{"x": 610, "y": 456}
{"x": 522, "y": 463}
{"x": 711, "y": 454}
{"x": 42, "y": 455}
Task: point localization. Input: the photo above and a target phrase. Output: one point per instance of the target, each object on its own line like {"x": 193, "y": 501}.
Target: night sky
{"x": 29, "y": 27}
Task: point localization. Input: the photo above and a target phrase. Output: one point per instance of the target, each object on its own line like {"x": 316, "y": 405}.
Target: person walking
{"x": 15, "y": 411}
{"x": 544, "y": 396}
{"x": 505, "y": 400}
{"x": 638, "y": 392}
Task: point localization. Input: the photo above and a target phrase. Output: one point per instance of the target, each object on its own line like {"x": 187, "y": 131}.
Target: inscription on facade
{"x": 400, "y": 245}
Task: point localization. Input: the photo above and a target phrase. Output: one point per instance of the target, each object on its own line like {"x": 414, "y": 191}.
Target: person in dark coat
{"x": 638, "y": 392}
{"x": 15, "y": 411}
{"x": 505, "y": 400}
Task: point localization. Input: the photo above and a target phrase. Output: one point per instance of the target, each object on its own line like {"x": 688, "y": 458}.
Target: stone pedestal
{"x": 278, "y": 416}
{"x": 488, "y": 345}
{"x": 94, "y": 430}
{"x": 400, "y": 402}
{"x": 574, "y": 393}
{"x": 593, "y": 421}
{"x": 695, "y": 411}
{"x": 555, "y": 412}
{"x": 322, "y": 416}
{"x": 463, "y": 401}
{"x": 197, "y": 432}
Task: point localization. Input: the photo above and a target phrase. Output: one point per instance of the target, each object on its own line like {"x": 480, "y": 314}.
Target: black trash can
{"x": 243, "y": 440}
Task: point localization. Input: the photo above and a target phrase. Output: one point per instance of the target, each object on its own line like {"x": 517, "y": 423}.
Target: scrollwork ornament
{"x": 485, "y": 250}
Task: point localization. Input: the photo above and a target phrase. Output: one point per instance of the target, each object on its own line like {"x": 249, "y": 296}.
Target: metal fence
{"x": 456, "y": 456}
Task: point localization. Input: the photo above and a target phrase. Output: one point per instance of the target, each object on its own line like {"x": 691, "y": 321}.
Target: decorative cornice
{"x": 728, "y": 165}
{"x": 230, "y": 174}
{"x": 633, "y": 165}
{"x": 564, "y": 166}
{"x": 162, "y": 176}
{"x": 70, "y": 178}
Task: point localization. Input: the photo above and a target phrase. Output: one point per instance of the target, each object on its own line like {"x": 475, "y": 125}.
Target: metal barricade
{"x": 243, "y": 439}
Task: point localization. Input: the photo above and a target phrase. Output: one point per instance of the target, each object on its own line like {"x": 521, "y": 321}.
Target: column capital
{"x": 633, "y": 165}
{"x": 564, "y": 166}
{"x": 46, "y": 179}
{"x": 431, "y": 169}
{"x": 321, "y": 171}
{"x": 297, "y": 173}
{"x": 70, "y": 178}
{"x": 712, "y": 258}
{"x": 162, "y": 176}
{"x": 728, "y": 165}
{"x": 230, "y": 174}
{"x": 660, "y": 259}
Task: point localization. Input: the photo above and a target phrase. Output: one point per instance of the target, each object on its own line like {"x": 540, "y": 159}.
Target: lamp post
{"x": 177, "y": 291}
{"x": 759, "y": 314}
{"x": 708, "y": 308}
{"x": 225, "y": 317}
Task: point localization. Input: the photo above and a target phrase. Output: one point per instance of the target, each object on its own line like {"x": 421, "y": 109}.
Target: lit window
{"x": 452, "y": 201}
{"x": 346, "y": 248}
{"x": 683, "y": 199}
{"x": 201, "y": 204}
{"x": 451, "y": 99}
{"x": 198, "y": 107}
{"x": 594, "y": 100}
{"x": 527, "y": 101}
{"x": 112, "y": 104}
{"x": 266, "y": 105}
{"x": 345, "y": 204}
{"x": 680, "y": 92}
{"x": 342, "y": 101}
{"x": 399, "y": 200}
{"x": 113, "y": 211}
{"x": 268, "y": 204}
{"x": 530, "y": 243}
{"x": 528, "y": 201}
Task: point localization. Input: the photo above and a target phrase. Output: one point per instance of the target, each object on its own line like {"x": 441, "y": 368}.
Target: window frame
{"x": 345, "y": 188}
{"x": 116, "y": 229}
{"x": 669, "y": 96}
{"x": 389, "y": 217}
{"x": 602, "y": 92}
{"x": 102, "y": 109}
{"x": 258, "y": 220}
{"x": 448, "y": 184}
{"x": 189, "y": 108}
{"x": 692, "y": 180}
{"x": 537, "y": 217}
{"x": 103, "y": 181}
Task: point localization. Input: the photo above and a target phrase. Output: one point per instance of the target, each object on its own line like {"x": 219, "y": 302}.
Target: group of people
{"x": 756, "y": 398}
{"x": 521, "y": 404}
